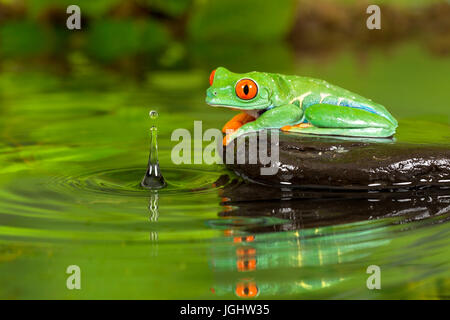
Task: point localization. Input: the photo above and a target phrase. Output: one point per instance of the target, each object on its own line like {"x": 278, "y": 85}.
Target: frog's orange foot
{"x": 236, "y": 122}
{"x": 300, "y": 125}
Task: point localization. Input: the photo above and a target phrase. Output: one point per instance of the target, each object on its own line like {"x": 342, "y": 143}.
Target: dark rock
{"x": 312, "y": 162}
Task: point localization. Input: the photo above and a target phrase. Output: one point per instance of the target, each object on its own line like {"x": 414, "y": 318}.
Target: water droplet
{"x": 153, "y": 114}
{"x": 153, "y": 178}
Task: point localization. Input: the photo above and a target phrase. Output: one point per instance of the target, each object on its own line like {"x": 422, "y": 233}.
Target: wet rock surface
{"x": 318, "y": 162}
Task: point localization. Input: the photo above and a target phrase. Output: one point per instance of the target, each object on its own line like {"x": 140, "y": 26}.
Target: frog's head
{"x": 247, "y": 91}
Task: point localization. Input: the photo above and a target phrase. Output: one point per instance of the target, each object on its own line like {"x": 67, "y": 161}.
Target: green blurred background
{"x": 138, "y": 35}
{"x": 139, "y": 38}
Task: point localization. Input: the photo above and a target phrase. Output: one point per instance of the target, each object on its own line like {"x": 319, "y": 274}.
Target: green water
{"x": 74, "y": 148}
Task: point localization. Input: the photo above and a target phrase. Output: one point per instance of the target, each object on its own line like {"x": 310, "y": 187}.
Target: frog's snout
{"x": 210, "y": 95}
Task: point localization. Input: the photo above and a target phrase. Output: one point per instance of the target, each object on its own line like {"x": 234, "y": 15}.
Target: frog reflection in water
{"x": 253, "y": 252}
{"x": 296, "y": 104}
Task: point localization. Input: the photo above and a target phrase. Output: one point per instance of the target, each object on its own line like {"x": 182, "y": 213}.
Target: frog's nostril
{"x": 210, "y": 93}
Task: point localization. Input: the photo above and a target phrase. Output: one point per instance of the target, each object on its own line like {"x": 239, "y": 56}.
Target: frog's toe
{"x": 232, "y": 126}
{"x": 297, "y": 126}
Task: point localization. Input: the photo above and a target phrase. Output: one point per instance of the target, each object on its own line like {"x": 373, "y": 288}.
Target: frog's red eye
{"x": 211, "y": 77}
{"x": 246, "y": 89}
{"x": 244, "y": 239}
{"x": 246, "y": 251}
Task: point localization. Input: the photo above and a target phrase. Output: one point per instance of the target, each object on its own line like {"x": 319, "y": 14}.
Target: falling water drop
{"x": 153, "y": 114}
{"x": 153, "y": 178}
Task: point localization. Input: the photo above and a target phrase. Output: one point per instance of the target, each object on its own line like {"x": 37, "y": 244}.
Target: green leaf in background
{"x": 22, "y": 38}
{"x": 111, "y": 39}
{"x": 241, "y": 21}
{"x": 153, "y": 36}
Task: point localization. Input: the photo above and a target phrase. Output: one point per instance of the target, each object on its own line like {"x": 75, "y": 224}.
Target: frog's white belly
{"x": 254, "y": 113}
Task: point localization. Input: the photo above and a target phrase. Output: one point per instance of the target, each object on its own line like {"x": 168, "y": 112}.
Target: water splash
{"x": 153, "y": 178}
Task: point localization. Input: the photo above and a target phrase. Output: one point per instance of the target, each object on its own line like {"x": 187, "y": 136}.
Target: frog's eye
{"x": 246, "y": 89}
{"x": 246, "y": 290}
{"x": 246, "y": 251}
{"x": 244, "y": 239}
{"x": 211, "y": 77}
{"x": 246, "y": 264}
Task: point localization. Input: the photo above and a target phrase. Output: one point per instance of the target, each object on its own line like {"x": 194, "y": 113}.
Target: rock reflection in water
{"x": 312, "y": 240}
{"x": 311, "y": 209}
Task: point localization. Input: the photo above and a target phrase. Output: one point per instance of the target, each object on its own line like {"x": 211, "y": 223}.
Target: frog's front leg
{"x": 277, "y": 117}
{"x": 237, "y": 121}
{"x": 329, "y": 119}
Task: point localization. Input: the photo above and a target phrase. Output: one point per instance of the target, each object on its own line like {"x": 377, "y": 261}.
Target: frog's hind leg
{"x": 329, "y": 119}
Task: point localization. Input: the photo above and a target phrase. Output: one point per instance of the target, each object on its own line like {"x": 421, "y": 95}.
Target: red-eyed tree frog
{"x": 296, "y": 104}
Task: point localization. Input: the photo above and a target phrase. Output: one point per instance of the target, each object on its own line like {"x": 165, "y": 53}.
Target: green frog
{"x": 295, "y": 104}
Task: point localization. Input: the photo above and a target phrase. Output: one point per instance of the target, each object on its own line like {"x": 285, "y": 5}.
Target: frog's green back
{"x": 310, "y": 91}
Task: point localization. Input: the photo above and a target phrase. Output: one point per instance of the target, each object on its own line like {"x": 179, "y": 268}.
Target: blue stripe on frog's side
{"x": 366, "y": 108}
{"x": 314, "y": 99}
{"x": 347, "y": 103}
